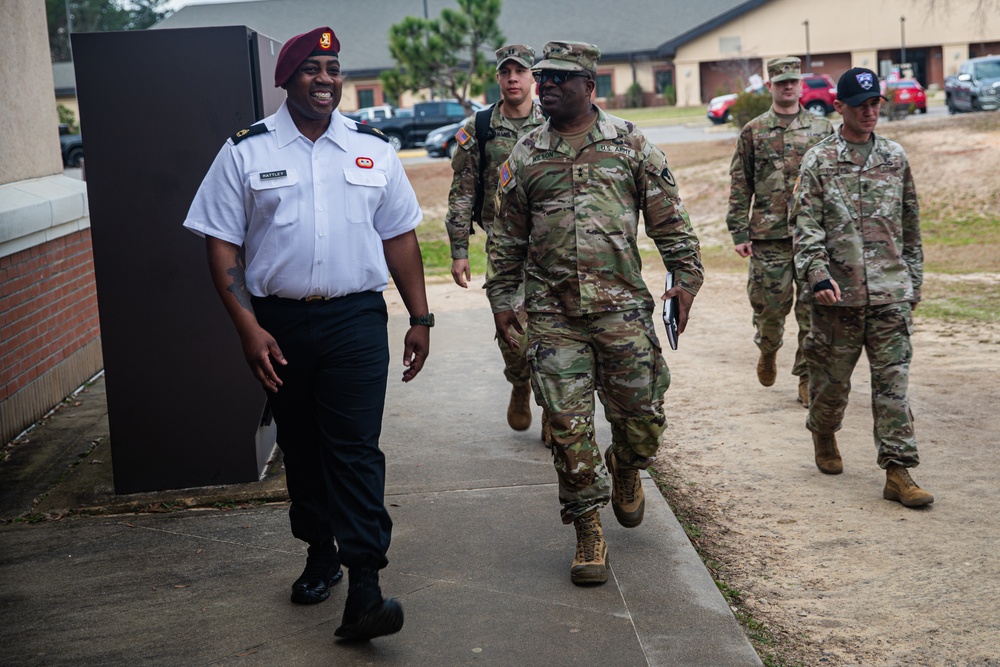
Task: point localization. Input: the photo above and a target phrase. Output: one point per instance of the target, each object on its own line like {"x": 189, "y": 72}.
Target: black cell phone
{"x": 670, "y": 313}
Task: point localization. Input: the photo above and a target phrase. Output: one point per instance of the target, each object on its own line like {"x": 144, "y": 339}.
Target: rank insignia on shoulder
{"x": 374, "y": 131}
{"x": 506, "y": 176}
{"x": 257, "y": 128}
{"x": 462, "y": 136}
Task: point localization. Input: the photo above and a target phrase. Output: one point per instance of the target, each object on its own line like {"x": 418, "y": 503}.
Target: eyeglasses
{"x": 557, "y": 77}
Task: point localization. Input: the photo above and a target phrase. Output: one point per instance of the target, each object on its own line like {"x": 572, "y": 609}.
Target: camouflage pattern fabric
{"x": 772, "y": 289}
{"x": 836, "y": 338}
{"x": 763, "y": 170}
{"x": 462, "y": 196}
{"x": 567, "y": 222}
{"x": 859, "y": 223}
{"x": 465, "y": 164}
{"x": 618, "y": 355}
{"x": 566, "y": 229}
{"x": 515, "y": 364}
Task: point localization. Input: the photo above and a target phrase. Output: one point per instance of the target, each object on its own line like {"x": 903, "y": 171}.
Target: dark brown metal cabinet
{"x": 183, "y": 407}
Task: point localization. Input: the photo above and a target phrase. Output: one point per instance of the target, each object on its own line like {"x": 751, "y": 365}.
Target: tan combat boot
{"x": 767, "y": 369}
{"x": 804, "y": 391}
{"x": 627, "y": 498}
{"x": 590, "y": 563}
{"x": 519, "y": 408}
{"x": 899, "y": 486}
{"x": 546, "y": 430}
{"x": 827, "y": 455}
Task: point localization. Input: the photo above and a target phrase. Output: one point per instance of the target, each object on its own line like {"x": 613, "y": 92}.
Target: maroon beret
{"x": 320, "y": 41}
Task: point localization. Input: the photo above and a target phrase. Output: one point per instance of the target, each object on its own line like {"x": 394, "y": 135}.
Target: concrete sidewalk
{"x": 479, "y": 558}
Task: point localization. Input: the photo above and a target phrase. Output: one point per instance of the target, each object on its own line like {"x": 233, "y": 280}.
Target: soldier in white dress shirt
{"x": 305, "y": 215}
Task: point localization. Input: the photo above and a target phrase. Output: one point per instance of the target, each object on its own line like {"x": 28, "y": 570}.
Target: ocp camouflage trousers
{"x": 772, "y": 288}
{"x": 619, "y": 355}
{"x": 515, "y": 363}
{"x": 836, "y": 337}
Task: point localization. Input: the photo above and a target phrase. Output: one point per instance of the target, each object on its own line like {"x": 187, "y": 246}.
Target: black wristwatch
{"x": 424, "y": 320}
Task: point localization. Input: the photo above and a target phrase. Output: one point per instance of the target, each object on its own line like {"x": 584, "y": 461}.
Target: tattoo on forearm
{"x": 238, "y": 286}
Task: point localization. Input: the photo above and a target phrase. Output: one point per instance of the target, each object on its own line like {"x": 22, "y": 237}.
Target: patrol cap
{"x": 784, "y": 69}
{"x": 857, "y": 85}
{"x": 569, "y": 57}
{"x": 521, "y": 54}
{"x": 316, "y": 42}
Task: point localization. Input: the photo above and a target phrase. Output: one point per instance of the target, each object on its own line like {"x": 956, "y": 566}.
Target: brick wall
{"x": 49, "y": 327}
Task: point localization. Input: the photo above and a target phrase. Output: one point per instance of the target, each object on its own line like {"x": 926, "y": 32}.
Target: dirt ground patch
{"x": 837, "y": 575}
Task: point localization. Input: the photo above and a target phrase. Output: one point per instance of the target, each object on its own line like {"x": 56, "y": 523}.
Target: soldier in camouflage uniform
{"x": 514, "y": 116}
{"x": 857, "y": 244}
{"x": 566, "y": 227}
{"x": 763, "y": 171}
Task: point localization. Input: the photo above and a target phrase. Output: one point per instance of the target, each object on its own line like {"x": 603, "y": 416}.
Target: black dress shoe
{"x": 322, "y": 572}
{"x": 366, "y": 614}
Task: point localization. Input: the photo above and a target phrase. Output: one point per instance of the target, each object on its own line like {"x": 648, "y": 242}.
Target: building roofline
{"x": 669, "y": 48}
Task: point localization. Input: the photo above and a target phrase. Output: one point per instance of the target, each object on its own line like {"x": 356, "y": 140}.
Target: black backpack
{"x": 483, "y": 134}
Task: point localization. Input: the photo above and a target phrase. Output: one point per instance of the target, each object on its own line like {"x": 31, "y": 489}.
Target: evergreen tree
{"x": 445, "y": 54}
{"x": 66, "y": 16}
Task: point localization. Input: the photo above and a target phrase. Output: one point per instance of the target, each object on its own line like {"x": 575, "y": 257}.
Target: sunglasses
{"x": 556, "y": 76}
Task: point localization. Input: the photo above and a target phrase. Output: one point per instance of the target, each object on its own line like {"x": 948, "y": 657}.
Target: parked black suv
{"x": 72, "y": 147}
{"x": 410, "y": 131}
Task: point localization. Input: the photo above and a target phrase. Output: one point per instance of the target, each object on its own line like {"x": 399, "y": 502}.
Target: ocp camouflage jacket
{"x": 764, "y": 167}
{"x": 567, "y": 222}
{"x": 859, "y": 224}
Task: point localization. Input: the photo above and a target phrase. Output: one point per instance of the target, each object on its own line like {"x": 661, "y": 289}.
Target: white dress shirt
{"x": 312, "y": 215}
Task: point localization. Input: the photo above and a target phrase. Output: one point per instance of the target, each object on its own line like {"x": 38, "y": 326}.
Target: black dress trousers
{"x": 328, "y": 413}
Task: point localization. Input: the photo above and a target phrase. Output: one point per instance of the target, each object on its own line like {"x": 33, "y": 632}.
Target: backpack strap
{"x": 483, "y": 134}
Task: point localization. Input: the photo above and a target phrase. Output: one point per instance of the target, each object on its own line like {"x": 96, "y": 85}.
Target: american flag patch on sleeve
{"x": 505, "y": 175}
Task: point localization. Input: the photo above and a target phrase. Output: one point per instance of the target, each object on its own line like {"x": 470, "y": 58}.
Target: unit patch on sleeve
{"x": 668, "y": 176}
{"x": 462, "y": 136}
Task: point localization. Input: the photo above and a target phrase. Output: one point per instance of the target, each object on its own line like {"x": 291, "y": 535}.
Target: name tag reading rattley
{"x": 670, "y": 313}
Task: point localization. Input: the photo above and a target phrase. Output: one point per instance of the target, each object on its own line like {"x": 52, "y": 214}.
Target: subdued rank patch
{"x": 668, "y": 177}
{"x": 617, "y": 150}
{"x": 505, "y": 175}
{"x": 266, "y": 175}
{"x": 365, "y": 162}
{"x": 462, "y": 136}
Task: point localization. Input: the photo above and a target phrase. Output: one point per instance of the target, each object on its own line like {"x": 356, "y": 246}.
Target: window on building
{"x": 664, "y": 80}
{"x": 730, "y": 45}
{"x": 492, "y": 93}
{"x": 366, "y": 97}
{"x": 604, "y": 87}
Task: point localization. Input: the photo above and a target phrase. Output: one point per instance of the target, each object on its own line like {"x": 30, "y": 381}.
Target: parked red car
{"x": 906, "y": 93}
{"x": 818, "y": 93}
